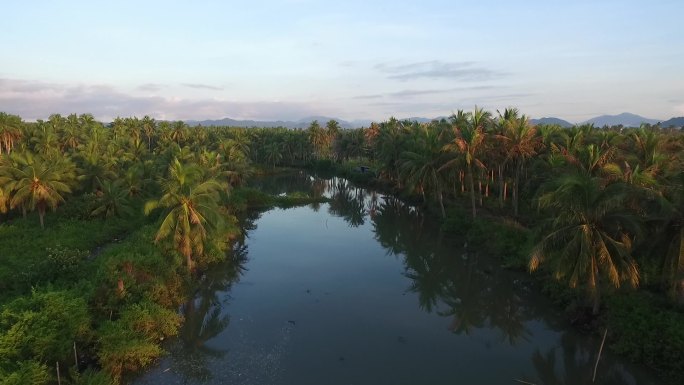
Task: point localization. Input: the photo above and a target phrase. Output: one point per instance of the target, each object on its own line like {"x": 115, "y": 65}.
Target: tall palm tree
{"x": 36, "y": 183}
{"x": 70, "y": 133}
{"x": 469, "y": 135}
{"x": 319, "y": 139}
{"x": 149, "y": 126}
{"x": 520, "y": 143}
{"x": 421, "y": 166}
{"x": 10, "y": 131}
{"x": 192, "y": 214}
{"x": 590, "y": 235}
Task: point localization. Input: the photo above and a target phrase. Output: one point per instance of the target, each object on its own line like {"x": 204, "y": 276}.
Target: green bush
{"x": 42, "y": 326}
{"x": 122, "y": 350}
{"x": 151, "y": 320}
{"x": 646, "y": 330}
{"x": 26, "y": 373}
{"x": 91, "y": 377}
{"x": 509, "y": 241}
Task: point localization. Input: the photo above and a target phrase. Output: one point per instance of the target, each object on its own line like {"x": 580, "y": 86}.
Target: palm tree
{"x": 10, "y": 131}
{"x": 70, "y": 133}
{"x": 45, "y": 140}
{"x": 590, "y": 235}
{"x": 192, "y": 212}
{"x": 36, "y": 183}
{"x": 149, "y": 126}
{"x": 112, "y": 199}
{"x": 273, "y": 153}
{"x": 520, "y": 143}
{"x": 319, "y": 139}
{"x": 469, "y": 135}
{"x": 389, "y": 147}
{"x": 421, "y": 167}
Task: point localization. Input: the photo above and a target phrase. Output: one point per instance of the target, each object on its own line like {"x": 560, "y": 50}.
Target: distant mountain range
{"x": 674, "y": 122}
{"x": 301, "y": 123}
{"x": 560, "y": 122}
{"x": 626, "y": 119}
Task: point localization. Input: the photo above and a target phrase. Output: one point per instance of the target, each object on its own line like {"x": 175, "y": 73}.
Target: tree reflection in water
{"x": 470, "y": 289}
{"x": 204, "y": 318}
{"x": 576, "y": 365}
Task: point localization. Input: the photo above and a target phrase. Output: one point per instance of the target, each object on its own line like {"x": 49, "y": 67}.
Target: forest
{"x": 106, "y": 228}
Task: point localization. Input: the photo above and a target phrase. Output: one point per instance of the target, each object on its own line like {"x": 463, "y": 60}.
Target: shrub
{"x": 646, "y": 330}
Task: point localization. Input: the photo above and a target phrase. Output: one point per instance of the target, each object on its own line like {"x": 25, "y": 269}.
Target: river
{"x": 367, "y": 290}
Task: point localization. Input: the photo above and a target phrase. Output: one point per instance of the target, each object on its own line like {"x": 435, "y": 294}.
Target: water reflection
{"x": 289, "y": 329}
{"x": 471, "y": 291}
{"x": 204, "y": 318}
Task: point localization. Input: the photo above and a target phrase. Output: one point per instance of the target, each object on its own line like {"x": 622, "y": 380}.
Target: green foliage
{"x": 91, "y": 377}
{"x": 646, "y": 330}
{"x": 508, "y": 240}
{"x": 26, "y": 253}
{"x": 124, "y": 350}
{"x": 26, "y": 373}
{"x": 42, "y": 326}
{"x": 62, "y": 262}
{"x": 151, "y": 320}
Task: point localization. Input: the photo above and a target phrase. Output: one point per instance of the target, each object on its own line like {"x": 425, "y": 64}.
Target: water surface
{"x": 366, "y": 290}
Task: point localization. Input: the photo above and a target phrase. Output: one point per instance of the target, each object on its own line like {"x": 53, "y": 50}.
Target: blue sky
{"x": 349, "y": 59}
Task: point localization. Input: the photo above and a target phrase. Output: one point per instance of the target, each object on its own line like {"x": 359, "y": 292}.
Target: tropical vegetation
{"x": 105, "y": 227}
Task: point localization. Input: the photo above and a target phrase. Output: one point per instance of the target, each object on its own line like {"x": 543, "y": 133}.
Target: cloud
{"x": 150, "y": 87}
{"x": 37, "y": 100}
{"x": 374, "y": 96}
{"x": 202, "y": 86}
{"x": 435, "y": 69}
{"x": 413, "y": 92}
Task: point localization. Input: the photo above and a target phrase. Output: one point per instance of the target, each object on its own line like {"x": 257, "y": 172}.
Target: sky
{"x": 291, "y": 59}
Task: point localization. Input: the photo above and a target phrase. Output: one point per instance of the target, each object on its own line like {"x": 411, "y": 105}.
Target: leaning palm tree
{"x": 469, "y": 135}
{"x": 37, "y": 184}
{"x": 192, "y": 214}
{"x": 590, "y": 235}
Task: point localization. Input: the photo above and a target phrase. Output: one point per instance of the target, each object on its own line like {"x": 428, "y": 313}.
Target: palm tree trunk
{"x": 441, "y": 203}
{"x": 501, "y": 188}
{"x": 189, "y": 262}
{"x": 594, "y": 288}
{"x": 479, "y": 191}
{"x": 516, "y": 188}
{"x": 471, "y": 185}
{"x": 41, "y": 215}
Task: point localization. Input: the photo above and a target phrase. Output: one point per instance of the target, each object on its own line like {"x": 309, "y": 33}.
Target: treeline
{"x": 607, "y": 204}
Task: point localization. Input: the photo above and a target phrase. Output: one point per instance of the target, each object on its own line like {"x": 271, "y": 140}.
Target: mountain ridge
{"x": 626, "y": 119}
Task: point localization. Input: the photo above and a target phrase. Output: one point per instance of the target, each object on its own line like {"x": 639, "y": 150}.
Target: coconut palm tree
{"x": 421, "y": 166}
{"x": 191, "y": 210}
{"x": 36, "y": 183}
{"x": 10, "y": 131}
{"x": 149, "y": 126}
{"x": 590, "y": 234}
{"x": 112, "y": 199}
{"x": 273, "y": 153}
{"x": 469, "y": 135}
{"x": 319, "y": 139}
{"x": 520, "y": 143}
